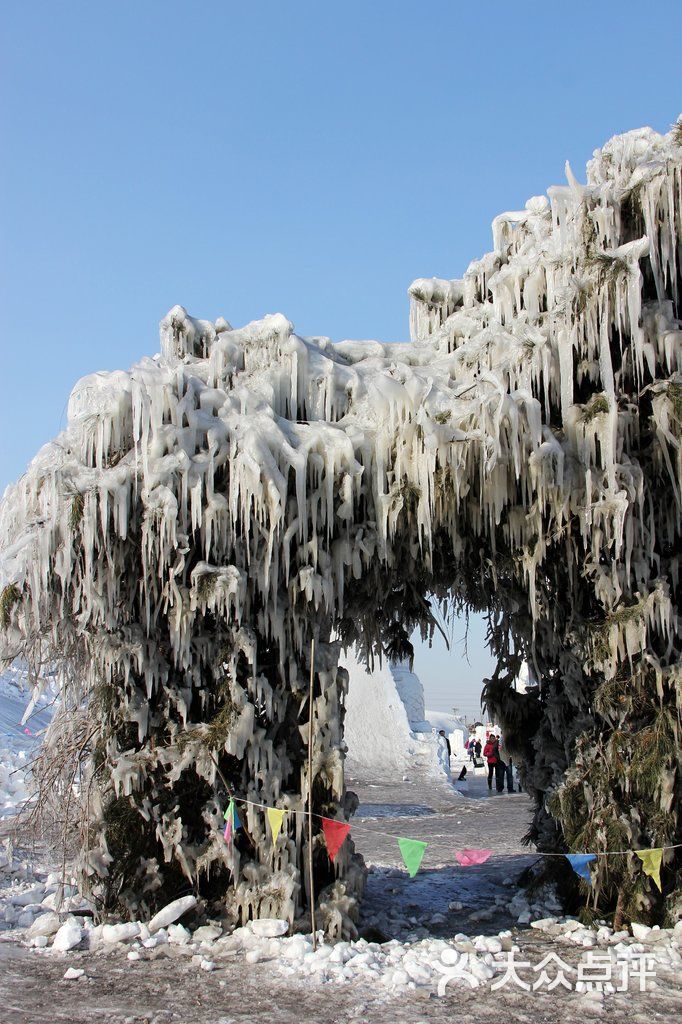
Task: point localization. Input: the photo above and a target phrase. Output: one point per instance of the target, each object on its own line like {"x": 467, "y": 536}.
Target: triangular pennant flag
{"x": 467, "y": 858}
{"x": 580, "y": 862}
{"x": 651, "y": 863}
{"x": 229, "y": 821}
{"x": 275, "y": 817}
{"x": 334, "y": 834}
{"x": 412, "y": 851}
{"x": 231, "y": 816}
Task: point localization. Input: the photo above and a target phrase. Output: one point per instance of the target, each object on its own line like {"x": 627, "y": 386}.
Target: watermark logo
{"x": 604, "y": 972}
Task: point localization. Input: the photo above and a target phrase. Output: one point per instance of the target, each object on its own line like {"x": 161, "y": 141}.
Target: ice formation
{"x": 206, "y": 514}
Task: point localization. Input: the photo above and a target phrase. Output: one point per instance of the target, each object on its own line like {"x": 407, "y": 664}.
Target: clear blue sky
{"x": 308, "y": 158}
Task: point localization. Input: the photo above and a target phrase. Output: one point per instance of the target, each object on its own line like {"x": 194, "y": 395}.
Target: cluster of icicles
{"x": 260, "y": 471}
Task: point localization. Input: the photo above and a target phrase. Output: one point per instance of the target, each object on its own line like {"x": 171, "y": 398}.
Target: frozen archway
{"x": 208, "y": 513}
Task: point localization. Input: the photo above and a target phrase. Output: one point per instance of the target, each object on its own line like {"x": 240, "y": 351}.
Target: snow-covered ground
{"x": 430, "y": 948}
{"x": 433, "y": 948}
{"x": 426, "y": 944}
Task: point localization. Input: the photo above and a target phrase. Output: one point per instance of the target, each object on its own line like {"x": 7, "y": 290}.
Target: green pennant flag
{"x": 651, "y": 865}
{"x": 412, "y": 851}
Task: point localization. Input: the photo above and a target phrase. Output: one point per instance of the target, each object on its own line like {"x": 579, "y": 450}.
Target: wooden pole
{"x": 310, "y": 792}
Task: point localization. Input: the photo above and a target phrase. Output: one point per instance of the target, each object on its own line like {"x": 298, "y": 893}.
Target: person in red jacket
{"x": 491, "y": 753}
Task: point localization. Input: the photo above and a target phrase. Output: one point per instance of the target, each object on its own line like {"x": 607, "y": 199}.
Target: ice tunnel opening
{"x": 385, "y": 609}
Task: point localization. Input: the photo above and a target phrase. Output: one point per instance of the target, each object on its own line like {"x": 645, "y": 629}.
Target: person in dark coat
{"x": 500, "y": 768}
{"x": 447, "y": 742}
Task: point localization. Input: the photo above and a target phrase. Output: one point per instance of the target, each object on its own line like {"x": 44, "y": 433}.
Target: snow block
{"x": 171, "y": 913}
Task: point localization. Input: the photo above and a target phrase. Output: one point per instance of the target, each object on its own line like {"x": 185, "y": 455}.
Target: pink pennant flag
{"x": 467, "y": 858}
{"x": 228, "y": 830}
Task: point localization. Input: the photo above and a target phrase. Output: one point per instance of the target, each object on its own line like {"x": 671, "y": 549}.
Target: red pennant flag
{"x": 334, "y": 834}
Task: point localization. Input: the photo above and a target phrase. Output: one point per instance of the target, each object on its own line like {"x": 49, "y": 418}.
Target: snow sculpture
{"x": 204, "y": 515}
{"x": 385, "y": 729}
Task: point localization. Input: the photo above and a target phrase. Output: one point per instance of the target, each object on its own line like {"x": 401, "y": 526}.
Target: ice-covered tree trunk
{"x": 174, "y": 551}
{"x": 233, "y": 724}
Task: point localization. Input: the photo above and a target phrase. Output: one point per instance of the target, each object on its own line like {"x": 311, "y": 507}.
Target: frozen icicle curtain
{"x": 207, "y": 513}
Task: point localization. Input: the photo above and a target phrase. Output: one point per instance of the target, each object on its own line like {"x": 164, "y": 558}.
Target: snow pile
{"x": 385, "y": 726}
{"x": 416, "y": 957}
{"x": 411, "y": 692}
{"x": 418, "y": 960}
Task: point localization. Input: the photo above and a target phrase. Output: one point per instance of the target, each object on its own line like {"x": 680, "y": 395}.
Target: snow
{"x": 384, "y": 726}
{"x": 120, "y": 932}
{"x": 46, "y": 924}
{"x": 268, "y": 927}
{"x": 73, "y": 973}
{"x": 67, "y": 936}
{"x": 454, "y": 728}
{"x": 266, "y": 478}
{"x": 170, "y": 913}
{"x": 387, "y": 729}
{"x": 427, "y": 937}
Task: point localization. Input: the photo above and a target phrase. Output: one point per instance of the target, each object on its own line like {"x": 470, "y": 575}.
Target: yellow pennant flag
{"x": 651, "y": 863}
{"x": 275, "y": 817}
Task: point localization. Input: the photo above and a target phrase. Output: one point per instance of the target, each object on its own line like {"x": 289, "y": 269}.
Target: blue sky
{"x": 308, "y": 158}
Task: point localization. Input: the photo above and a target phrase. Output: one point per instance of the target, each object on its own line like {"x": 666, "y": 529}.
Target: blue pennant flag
{"x": 236, "y": 823}
{"x": 580, "y": 862}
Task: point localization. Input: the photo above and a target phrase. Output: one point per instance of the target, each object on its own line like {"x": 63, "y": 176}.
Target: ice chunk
{"x": 120, "y": 932}
{"x": 269, "y": 927}
{"x": 171, "y": 913}
{"x": 68, "y": 936}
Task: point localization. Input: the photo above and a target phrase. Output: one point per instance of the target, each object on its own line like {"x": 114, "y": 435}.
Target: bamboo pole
{"x": 310, "y": 792}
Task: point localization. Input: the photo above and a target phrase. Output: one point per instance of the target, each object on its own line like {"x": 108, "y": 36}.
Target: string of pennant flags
{"x": 412, "y": 850}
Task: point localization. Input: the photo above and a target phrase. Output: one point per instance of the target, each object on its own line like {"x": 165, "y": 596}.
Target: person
{"x": 510, "y": 776}
{"x": 477, "y": 748}
{"x": 489, "y": 753}
{"x": 500, "y": 768}
{"x": 471, "y": 748}
{"x": 443, "y": 751}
